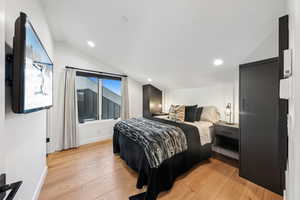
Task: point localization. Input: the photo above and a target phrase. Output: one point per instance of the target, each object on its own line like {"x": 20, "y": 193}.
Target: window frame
{"x": 99, "y": 76}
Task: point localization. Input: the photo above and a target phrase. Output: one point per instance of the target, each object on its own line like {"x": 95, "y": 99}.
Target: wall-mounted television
{"x": 32, "y": 70}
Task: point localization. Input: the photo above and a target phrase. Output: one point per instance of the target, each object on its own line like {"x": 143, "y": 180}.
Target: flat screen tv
{"x": 32, "y": 70}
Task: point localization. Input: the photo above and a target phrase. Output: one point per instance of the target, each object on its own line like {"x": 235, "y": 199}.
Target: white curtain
{"x": 125, "y": 99}
{"x": 70, "y": 137}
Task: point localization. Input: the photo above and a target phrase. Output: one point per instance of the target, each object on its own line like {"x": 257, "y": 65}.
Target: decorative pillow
{"x": 198, "y": 113}
{"x": 190, "y": 113}
{"x": 172, "y": 109}
{"x": 176, "y": 113}
{"x": 210, "y": 114}
{"x": 172, "y": 114}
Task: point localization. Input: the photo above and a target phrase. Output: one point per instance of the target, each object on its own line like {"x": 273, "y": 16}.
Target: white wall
{"x": 65, "y": 55}
{"x": 268, "y": 48}
{"x": 220, "y": 93}
{"x": 25, "y": 135}
{"x": 96, "y": 131}
{"x": 213, "y": 95}
{"x": 296, "y": 130}
{"x": 293, "y": 173}
{"x": 2, "y": 88}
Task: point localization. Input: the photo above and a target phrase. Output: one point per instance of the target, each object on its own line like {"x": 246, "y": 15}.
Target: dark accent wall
{"x": 283, "y": 40}
{"x": 152, "y": 100}
{"x": 283, "y": 130}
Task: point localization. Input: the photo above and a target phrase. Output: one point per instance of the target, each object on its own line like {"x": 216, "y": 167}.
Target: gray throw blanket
{"x": 160, "y": 141}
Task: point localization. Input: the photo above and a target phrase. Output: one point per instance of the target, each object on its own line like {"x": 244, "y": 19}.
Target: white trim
{"x": 94, "y": 139}
{"x": 40, "y": 184}
{"x": 98, "y": 122}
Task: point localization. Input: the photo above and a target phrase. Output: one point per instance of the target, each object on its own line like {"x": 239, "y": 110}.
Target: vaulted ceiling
{"x": 173, "y": 42}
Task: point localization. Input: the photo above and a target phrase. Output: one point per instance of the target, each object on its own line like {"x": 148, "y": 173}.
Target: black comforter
{"x": 161, "y": 178}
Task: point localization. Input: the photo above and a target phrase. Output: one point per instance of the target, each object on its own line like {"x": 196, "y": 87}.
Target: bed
{"x": 198, "y": 137}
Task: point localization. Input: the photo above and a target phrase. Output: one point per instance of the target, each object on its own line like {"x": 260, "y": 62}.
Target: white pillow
{"x": 210, "y": 114}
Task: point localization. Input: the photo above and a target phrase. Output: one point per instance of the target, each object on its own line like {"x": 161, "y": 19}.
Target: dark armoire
{"x": 259, "y": 124}
{"x": 263, "y": 121}
{"x": 152, "y": 100}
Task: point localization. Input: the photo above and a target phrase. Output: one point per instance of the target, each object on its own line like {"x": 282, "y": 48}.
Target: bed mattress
{"x": 205, "y": 129}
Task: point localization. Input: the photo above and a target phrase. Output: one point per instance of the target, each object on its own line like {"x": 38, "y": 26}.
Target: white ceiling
{"x": 174, "y": 42}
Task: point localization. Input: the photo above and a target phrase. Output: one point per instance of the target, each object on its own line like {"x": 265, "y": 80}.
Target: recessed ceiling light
{"x": 124, "y": 19}
{"x": 218, "y": 62}
{"x": 149, "y": 80}
{"x": 91, "y": 44}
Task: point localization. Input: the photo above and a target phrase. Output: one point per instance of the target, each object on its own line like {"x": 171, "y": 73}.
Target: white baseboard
{"x": 40, "y": 184}
{"x": 94, "y": 139}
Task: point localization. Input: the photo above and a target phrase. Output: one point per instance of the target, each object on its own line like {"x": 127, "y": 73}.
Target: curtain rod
{"x": 98, "y": 72}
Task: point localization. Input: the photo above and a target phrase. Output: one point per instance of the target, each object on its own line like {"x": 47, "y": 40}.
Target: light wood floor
{"x": 93, "y": 172}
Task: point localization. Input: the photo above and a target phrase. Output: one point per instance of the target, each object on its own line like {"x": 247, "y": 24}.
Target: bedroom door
{"x": 259, "y": 124}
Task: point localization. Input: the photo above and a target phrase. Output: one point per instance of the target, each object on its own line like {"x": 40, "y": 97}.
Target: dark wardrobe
{"x": 259, "y": 123}
{"x": 152, "y": 100}
{"x": 263, "y": 121}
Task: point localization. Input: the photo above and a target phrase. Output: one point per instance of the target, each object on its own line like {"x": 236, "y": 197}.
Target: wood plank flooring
{"x": 93, "y": 172}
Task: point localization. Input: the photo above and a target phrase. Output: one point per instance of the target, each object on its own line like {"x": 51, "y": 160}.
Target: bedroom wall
{"x": 25, "y": 135}
{"x": 293, "y": 172}
{"x": 2, "y": 87}
{"x": 268, "y": 48}
{"x": 219, "y": 93}
{"x": 211, "y": 95}
{"x": 296, "y": 129}
{"x": 65, "y": 55}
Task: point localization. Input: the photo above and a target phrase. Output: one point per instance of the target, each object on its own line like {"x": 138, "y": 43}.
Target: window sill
{"x": 98, "y": 122}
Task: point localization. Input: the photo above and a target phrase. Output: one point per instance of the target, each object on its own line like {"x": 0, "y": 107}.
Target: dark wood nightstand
{"x": 159, "y": 114}
{"x": 227, "y": 138}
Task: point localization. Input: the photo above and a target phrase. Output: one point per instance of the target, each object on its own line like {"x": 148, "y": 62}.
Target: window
{"x": 111, "y": 99}
{"x": 98, "y": 97}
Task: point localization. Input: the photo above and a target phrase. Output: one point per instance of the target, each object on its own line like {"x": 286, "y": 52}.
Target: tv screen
{"x": 32, "y": 70}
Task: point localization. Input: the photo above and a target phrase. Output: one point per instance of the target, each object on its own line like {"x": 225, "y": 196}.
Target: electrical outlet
{"x": 2, "y": 183}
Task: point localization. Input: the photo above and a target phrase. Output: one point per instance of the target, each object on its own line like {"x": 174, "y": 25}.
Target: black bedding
{"x": 161, "y": 178}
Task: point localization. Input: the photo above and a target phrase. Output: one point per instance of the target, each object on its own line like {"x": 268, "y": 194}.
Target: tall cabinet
{"x": 259, "y": 124}
{"x": 263, "y": 119}
{"x": 152, "y": 100}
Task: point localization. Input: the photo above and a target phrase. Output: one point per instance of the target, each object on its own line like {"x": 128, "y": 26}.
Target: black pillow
{"x": 198, "y": 113}
{"x": 190, "y": 113}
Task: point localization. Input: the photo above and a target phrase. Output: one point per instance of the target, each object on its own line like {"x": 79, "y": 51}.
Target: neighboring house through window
{"x": 98, "y": 97}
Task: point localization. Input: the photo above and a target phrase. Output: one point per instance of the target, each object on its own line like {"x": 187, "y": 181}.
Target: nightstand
{"x": 226, "y": 140}
{"x": 159, "y": 114}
